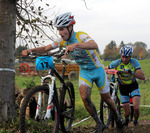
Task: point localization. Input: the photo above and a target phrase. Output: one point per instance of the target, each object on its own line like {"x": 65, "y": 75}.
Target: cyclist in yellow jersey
{"x": 83, "y": 50}
{"x": 128, "y": 85}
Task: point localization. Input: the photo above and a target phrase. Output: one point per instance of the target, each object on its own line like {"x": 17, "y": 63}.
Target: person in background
{"x": 128, "y": 84}
{"x": 83, "y": 50}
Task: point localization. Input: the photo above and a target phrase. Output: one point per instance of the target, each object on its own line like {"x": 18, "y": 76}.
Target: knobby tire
{"x": 28, "y": 123}
{"x": 105, "y": 113}
{"x": 67, "y": 106}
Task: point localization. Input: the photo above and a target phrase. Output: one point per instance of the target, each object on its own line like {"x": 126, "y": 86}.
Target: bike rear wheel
{"x": 105, "y": 113}
{"x": 28, "y": 122}
{"x": 67, "y": 106}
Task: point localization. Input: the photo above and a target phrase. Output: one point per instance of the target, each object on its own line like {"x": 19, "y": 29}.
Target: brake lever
{"x": 32, "y": 55}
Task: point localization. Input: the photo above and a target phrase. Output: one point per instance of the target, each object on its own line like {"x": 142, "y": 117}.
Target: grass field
{"x": 81, "y": 113}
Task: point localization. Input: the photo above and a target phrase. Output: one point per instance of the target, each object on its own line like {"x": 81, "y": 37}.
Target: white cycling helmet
{"x": 64, "y": 20}
{"x": 126, "y": 51}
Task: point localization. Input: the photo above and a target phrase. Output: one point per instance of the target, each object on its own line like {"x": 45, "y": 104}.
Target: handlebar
{"x": 56, "y": 54}
{"x": 112, "y": 71}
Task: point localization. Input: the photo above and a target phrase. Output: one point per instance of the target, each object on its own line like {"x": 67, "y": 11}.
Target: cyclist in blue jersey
{"x": 128, "y": 85}
{"x": 83, "y": 50}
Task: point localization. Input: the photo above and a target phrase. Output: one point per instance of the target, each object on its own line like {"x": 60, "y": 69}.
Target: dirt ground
{"x": 143, "y": 127}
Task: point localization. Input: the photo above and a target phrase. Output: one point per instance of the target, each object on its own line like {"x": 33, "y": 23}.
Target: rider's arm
{"x": 107, "y": 67}
{"x": 113, "y": 65}
{"x": 38, "y": 50}
{"x": 87, "y": 45}
{"x": 139, "y": 74}
{"x": 91, "y": 44}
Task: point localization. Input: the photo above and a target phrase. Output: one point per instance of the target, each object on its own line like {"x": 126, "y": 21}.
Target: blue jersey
{"x": 86, "y": 59}
{"x": 133, "y": 65}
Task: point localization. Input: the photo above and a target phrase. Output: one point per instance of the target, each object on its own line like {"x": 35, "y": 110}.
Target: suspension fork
{"x": 114, "y": 91}
{"x": 50, "y": 98}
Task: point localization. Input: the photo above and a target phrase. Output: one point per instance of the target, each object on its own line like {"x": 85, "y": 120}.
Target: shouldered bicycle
{"x": 52, "y": 105}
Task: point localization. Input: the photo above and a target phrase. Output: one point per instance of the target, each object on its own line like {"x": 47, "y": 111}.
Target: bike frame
{"x": 51, "y": 89}
{"x": 114, "y": 89}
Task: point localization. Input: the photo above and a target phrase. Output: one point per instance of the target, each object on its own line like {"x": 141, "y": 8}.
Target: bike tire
{"x": 119, "y": 109}
{"x": 118, "y": 104}
{"x": 67, "y": 107}
{"x": 105, "y": 113}
{"x": 28, "y": 123}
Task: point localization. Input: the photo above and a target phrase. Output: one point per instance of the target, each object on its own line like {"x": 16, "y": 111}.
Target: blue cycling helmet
{"x": 126, "y": 51}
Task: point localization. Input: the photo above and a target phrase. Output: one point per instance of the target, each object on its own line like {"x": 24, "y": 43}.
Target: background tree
{"x": 31, "y": 27}
{"x": 118, "y": 49}
{"x": 110, "y": 51}
{"x": 139, "y": 52}
{"x": 140, "y": 44}
{"x": 130, "y": 44}
{"x": 7, "y": 62}
{"x": 148, "y": 53}
{"x": 121, "y": 44}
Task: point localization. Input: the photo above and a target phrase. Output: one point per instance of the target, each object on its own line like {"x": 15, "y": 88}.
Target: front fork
{"x": 50, "y": 98}
{"x": 113, "y": 95}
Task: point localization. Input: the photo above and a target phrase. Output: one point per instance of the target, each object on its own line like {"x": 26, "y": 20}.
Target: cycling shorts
{"x": 129, "y": 91}
{"x": 97, "y": 75}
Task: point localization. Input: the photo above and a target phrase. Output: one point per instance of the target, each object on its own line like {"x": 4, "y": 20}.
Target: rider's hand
{"x": 26, "y": 52}
{"x": 64, "y": 57}
{"x": 131, "y": 72}
{"x": 128, "y": 71}
{"x": 70, "y": 48}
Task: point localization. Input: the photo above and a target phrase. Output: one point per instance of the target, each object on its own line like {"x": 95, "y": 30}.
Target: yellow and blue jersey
{"x": 124, "y": 78}
{"x": 86, "y": 59}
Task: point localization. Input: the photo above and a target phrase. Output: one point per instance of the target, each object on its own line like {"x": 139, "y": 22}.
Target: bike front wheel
{"x": 119, "y": 109}
{"x": 67, "y": 106}
{"x": 105, "y": 113}
{"x": 30, "y": 120}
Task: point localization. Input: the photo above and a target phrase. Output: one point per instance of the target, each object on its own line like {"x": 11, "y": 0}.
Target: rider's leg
{"x": 136, "y": 106}
{"x": 111, "y": 104}
{"x": 85, "y": 86}
{"x": 85, "y": 92}
{"x": 125, "y": 100}
{"x": 127, "y": 109}
{"x": 106, "y": 97}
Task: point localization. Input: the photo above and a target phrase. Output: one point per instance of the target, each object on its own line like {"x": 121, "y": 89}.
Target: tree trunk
{"x": 7, "y": 59}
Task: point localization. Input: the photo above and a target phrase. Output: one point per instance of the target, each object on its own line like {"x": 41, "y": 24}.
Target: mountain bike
{"x": 105, "y": 112}
{"x": 45, "y": 106}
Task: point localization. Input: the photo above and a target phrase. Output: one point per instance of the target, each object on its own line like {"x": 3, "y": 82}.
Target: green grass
{"x": 22, "y": 80}
{"x": 80, "y": 111}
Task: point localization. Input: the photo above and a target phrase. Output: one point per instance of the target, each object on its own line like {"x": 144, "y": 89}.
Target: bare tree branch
{"x": 85, "y": 4}
{"x": 32, "y": 23}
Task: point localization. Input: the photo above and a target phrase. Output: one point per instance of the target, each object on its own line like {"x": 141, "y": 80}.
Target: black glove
{"x": 129, "y": 71}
